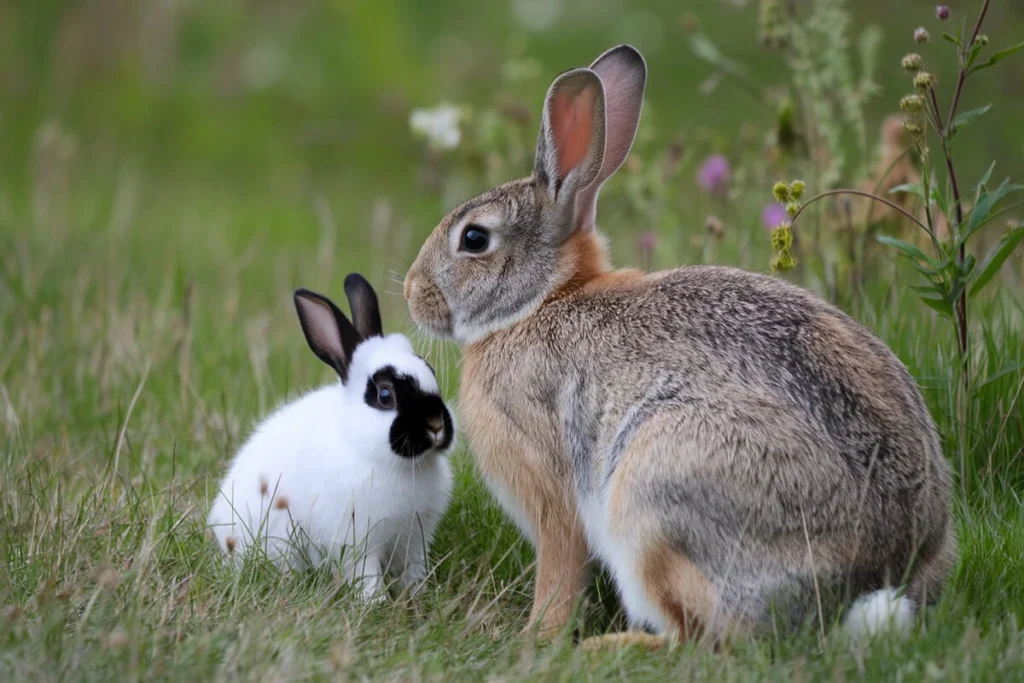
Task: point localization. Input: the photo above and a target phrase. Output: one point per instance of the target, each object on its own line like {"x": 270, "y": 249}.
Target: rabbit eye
{"x": 475, "y": 240}
{"x": 386, "y": 396}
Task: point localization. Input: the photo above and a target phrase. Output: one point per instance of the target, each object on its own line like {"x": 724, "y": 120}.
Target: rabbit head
{"x": 391, "y": 394}
{"x": 497, "y": 257}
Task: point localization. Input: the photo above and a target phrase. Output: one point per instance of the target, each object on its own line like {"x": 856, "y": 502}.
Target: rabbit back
{"x": 756, "y": 436}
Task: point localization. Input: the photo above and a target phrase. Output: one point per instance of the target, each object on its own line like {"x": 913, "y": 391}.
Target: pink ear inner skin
{"x": 623, "y": 99}
{"x": 572, "y": 125}
{"x": 324, "y": 328}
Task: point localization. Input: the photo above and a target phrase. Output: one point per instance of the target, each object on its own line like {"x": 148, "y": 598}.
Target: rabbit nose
{"x": 435, "y": 425}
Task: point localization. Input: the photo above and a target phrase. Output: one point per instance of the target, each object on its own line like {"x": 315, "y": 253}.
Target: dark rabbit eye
{"x": 386, "y": 396}
{"x": 475, "y": 240}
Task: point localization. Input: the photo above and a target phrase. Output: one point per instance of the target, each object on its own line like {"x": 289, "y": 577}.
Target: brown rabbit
{"x": 728, "y": 445}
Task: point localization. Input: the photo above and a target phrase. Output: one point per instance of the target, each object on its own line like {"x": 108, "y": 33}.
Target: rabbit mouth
{"x": 427, "y": 306}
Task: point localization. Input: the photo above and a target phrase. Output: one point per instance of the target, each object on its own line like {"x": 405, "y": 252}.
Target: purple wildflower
{"x": 942, "y": 12}
{"x": 772, "y": 215}
{"x": 714, "y": 174}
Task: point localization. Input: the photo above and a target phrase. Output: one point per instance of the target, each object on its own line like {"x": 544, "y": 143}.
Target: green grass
{"x": 144, "y": 336}
{"x": 146, "y": 324}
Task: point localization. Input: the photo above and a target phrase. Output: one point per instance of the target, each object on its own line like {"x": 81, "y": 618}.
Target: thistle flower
{"x": 924, "y": 80}
{"x": 912, "y": 104}
{"x": 772, "y": 215}
{"x": 921, "y": 35}
{"x": 913, "y": 62}
{"x": 942, "y": 12}
{"x": 714, "y": 174}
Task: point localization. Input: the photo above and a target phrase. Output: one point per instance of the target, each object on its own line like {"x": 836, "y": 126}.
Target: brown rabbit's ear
{"x": 328, "y": 332}
{"x": 362, "y": 301}
{"x": 623, "y": 73}
{"x": 570, "y": 147}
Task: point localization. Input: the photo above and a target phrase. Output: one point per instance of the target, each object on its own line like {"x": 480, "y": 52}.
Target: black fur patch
{"x": 416, "y": 410}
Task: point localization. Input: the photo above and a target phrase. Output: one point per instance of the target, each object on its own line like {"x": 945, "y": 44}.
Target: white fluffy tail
{"x": 883, "y": 611}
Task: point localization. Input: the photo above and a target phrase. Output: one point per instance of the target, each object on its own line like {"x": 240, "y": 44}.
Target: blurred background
{"x": 171, "y": 169}
{"x": 272, "y": 104}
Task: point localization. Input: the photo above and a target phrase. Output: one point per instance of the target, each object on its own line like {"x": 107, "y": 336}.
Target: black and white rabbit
{"x": 355, "y": 470}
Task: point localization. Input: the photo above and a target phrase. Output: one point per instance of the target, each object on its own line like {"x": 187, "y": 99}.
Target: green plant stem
{"x": 944, "y": 133}
{"x": 859, "y": 193}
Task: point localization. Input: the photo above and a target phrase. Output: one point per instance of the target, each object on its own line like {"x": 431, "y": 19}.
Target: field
{"x": 165, "y": 187}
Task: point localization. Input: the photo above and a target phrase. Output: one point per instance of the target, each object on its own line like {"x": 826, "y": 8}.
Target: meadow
{"x": 171, "y": 172}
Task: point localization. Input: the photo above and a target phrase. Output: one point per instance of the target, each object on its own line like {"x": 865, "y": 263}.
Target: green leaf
{"x": 1002, "y": 372}
{"x": 915, "y": 189}
{"x": 951, "y": 38}
{"x": 983, "y": 183}
{"x": 982, "y": 211}
{"x": 906, "y": 248}
{"x": 997, "y": 57}
{"x": 966, "y": 118}
{"x": 937, "y": 302}
{"x": 996, "y": 258}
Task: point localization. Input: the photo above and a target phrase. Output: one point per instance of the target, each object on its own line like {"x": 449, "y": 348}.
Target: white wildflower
{"x": 439, "y": 126}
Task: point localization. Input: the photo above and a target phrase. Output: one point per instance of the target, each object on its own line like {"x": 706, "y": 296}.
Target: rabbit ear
{"x": 570, "y": 148}
{"x": 362, "y": 301}
{"x": 623, "y": 74}
{"x": 329, "y": 333}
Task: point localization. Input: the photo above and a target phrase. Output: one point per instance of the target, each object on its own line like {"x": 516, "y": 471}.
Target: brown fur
{"x": 727, "y": 443}
{"x": 506, "y": 456}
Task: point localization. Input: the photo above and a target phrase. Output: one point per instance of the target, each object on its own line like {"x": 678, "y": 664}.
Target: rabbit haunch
{"x": 730, "y": 446}
{"x": 352, "y": 472}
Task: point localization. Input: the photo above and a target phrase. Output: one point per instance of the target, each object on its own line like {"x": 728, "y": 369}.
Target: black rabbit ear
{"x": 329, "y": 333}
{"x": 365, "y": 309}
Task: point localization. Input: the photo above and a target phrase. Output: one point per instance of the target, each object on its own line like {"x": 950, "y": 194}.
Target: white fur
{"x": 620, "y": 558}
{"x": 882, "y": 611}
{"x": 348, "y": 496}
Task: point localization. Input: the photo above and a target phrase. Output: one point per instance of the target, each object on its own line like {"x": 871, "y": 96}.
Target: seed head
{"x": 921, "y": 35}
{"x": 792, "y": 209}
{"x": 782, "y": 238}
{"x": 942, "y": 12}
{"x": 714, "y": 226}
{"x": 229, "y": 543}
{"x": 797, "y": 188}
{"x": 912, "y": 104}
{"x": 781, "y": 191}
{"x": 924, "y": 81}
{"x": 263, "y": 487}
{"x": 913, "y": 62}
{"x": 281, "y": 503}
{"x": 982, "y": 40}
{"x": 783, "y": 262}
{"x": 913, "y": 128}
